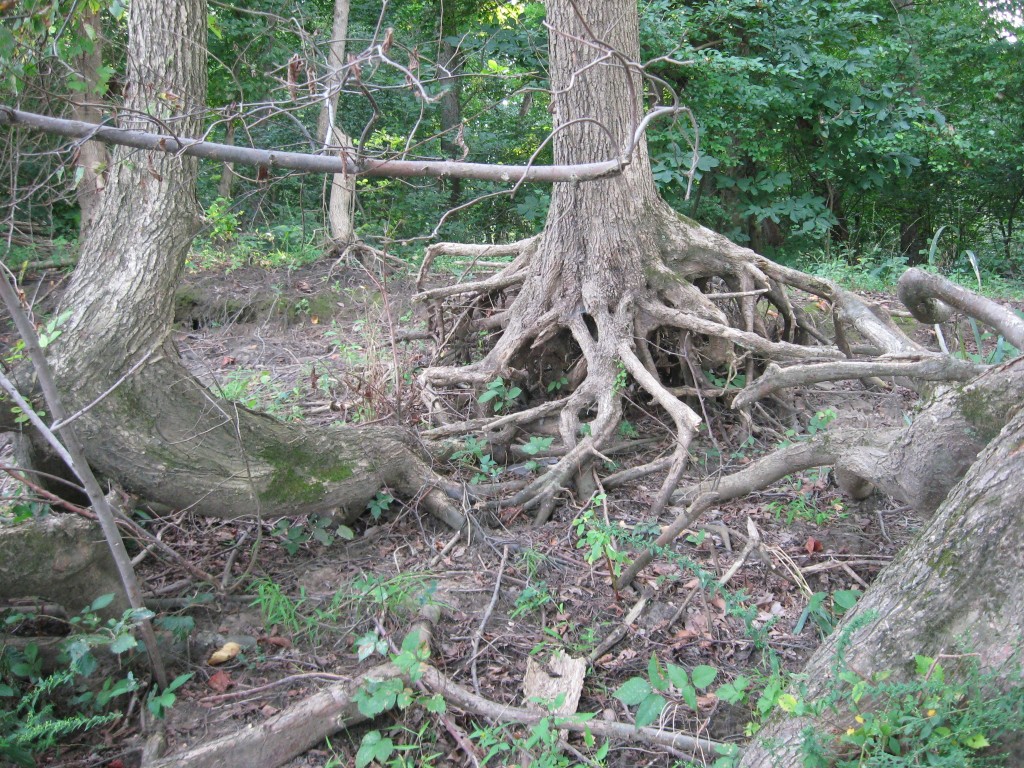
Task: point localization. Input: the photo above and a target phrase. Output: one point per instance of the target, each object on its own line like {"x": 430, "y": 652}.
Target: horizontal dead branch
{"x": 305, "y": 163}
{"x": 929, "y": 368}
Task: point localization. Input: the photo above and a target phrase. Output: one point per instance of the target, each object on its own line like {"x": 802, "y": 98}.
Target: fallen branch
{"x": 302, "y": 726}
{"x": 305, "y": 163}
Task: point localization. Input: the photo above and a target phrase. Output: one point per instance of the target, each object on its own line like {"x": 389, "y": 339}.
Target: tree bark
{"x": 93, "y": 157}
{"x": 342, "y": 198}
{"x": 958, "y": 584}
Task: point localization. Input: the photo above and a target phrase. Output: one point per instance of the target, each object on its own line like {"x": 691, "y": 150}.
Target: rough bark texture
{"x": 159, "y": 433}
{"x": 957, "y": 584}
{"x": 93, "y": 157}
{"x": 918, "y": 464}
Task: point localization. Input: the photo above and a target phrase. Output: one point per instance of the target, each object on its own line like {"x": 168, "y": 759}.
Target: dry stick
{"x": 753, "y": 543}
{"x": 487, "y": 615}
{"x": 620, "y": 631}
{"x": 71, "y": 451}
{"x": 448, "y": 548}
{"x": 683, "y": 521}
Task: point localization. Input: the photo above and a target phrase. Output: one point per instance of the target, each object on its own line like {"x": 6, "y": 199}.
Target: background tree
{"x": 159, "y": 432}
{"x": 342, "y": 197}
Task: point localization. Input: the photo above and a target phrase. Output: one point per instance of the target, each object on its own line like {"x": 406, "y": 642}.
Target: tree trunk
{"x": 227, "y": 170}
{"x": 614, "y": 264}
{"x": 342, "y": 198}
{"x": 159, "y": 433}
{"x": 956, "y": 586}
{"x": 93, "y": 158}
{"x": 449, "y": 65}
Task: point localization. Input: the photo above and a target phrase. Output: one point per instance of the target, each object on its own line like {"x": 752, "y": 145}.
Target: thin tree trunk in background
{"x": 227, "y": 174}
{"x": 93, "y": 158}
{"x": 449, "y": 65}
{"x": 342, "y": 198}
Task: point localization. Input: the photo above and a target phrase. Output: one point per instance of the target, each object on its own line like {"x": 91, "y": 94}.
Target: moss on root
{"x": 300, "y": 476}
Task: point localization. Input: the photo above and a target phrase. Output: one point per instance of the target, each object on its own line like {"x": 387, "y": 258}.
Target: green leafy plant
{"x": 399, "y": 594}
{"x": 558, "y": 384}
{"x": 39, "y": 710}
{"x": 374, "y": 697}
{"x": 621, "y": 377}
{"x": 473, "y": 453}
{"x": 51, "y": 330}
{"x": 297, "y": 534}
{"x": 533, "y": 446}
{"x": 650, "y": 694}
{"x": 817, "y": 609}
{"x": 804, "y": 507}
{"x": 627, "y": 430}
{"x": 598, "y": 540}
{"x": 533, "y": 597}
{"x": 500, "y": 395}
{"x": 379, "y": 504}
{"x": 159, "y": 701}
{"x": 541, "y": 742}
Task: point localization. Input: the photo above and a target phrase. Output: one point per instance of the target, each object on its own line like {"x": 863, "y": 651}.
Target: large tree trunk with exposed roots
{"x": 616, "y": 274}
{"x": 152, "y": 427}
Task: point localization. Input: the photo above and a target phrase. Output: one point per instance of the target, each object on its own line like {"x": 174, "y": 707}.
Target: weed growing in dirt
{"x": 541, "y": 743}
{"x": 803, "y": 507}
{"x": 375, "y": 697}
{"x": 472, "y": 455}
{"x": 499, "y": 394}
{"x": 296, "y": 534}
{"x": 598, "y": 538}
{"x": 42, "y": 709}
{"x": 400, "y": 594}
{"x": 259, "y": 391}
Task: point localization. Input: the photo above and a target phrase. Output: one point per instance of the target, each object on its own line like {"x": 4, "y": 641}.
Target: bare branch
{"x": 298, "y": 161}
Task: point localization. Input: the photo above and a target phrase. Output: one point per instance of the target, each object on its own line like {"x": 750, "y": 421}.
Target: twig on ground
{"x": 486, "y": 617}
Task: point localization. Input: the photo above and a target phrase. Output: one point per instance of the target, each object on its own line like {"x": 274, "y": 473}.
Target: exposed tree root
{"x": 671, "y": 334}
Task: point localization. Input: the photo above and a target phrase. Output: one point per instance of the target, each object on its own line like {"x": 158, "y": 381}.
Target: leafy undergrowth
{"x": 312, "y": 601}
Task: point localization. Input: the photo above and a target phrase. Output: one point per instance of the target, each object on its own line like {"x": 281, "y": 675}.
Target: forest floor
{"x": 316, "y": 345}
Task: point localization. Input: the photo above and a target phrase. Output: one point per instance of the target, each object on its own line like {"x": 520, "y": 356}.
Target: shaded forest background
{"x": 837, "y": 136}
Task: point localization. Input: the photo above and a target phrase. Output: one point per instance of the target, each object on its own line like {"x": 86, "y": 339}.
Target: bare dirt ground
{"x": 318, "y": 345}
